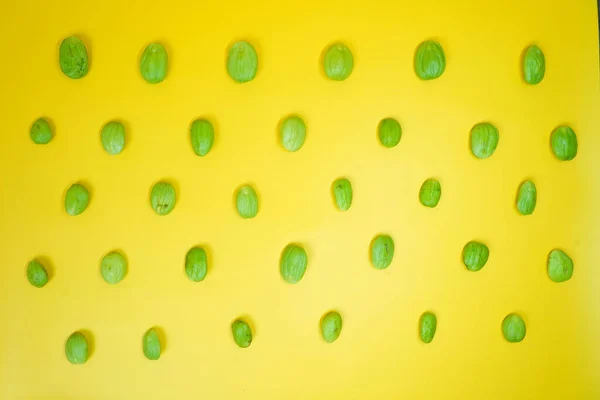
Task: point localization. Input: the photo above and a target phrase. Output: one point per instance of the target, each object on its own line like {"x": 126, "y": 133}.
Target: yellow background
{"x": 378, "y": 354}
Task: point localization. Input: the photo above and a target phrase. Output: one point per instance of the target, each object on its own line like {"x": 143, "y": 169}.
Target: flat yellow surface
{"x": 379, "y": 354}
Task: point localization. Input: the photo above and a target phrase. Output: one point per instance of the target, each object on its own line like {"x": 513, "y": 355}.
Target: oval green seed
{"x": 242, "y": 62}
{"x": 534, "y": 65}
{"x": 247, "y": 202}
{"x": 560, "y": 266}
{"x": 76, "y": 348}
{"x": 196, "y": 264}
{"x": 484, "y": 140}
{"x": 390, "y": 132}
{"x": 162, "y": 198}
{"x": 37, "y": 274}
{"x": 564, "y": 143}
{"x": 292, "y": 133}
{"x": 154, "y": 63}
{"x": 242, "y": 334}
{"x": 382, "y": 251}
{"x": 475, "y": 255}
{"x": 342, "y": 193}
{"x": 151, "y": 344}
{"x": 76, "y": 199}
{"x": 430, "y": 61}
{"x": 113, "y": 268}
{"x": 427, "y": 326}
{"x": 338, "y": 62}
{"x": 293, "y": 262}
{"x": 513, "y": 328}
{"x": 527, "y": 198}
{"x": 430, "y": 193}
{"x": 40, "y": 132}
{"x": 331, "y": 326}
{"x": 113, "y": 137}
{"x": 73, "y": 58}
{"x": 202, "y": 135}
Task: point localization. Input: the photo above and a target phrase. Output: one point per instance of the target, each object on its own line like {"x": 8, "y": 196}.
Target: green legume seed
{"x": 37, "y": 274}
{"x": 475, "y": 255}
{"x": 202, "y": 135}
{"x": 292, "y": 133}
{"x": 513, "y": 328}
{"x": 560, "y": 266}
{"x": 76, "y": 348}
{"x": 430, "y": 193}
{"x": 40, "y": 132}
{"x": 293, "y": 263}
{"x": 196, "y": 264}
{"x": 564, "y": 143}
{"x": 390, "y": 132}
{"x": 534, "y": 65}
{"x": 113, "y": 137}
{"x": 247, "y": 202}
{"x": 73, "y": 58}
{"x": 151, "y": 344}
{"x": 427, "y": 326}
{"x": 242, "y": 62}
{"x": 338, "y": 62}
{"x": 113, "y": 268}
{"x": 484, "y": 140}
{"x": 162, "y": 198}
{"x": 76, "y": 199}
{"x": 331, "y": 326}
{"x": 342, "y": 193}
{"x": 430, "y": 60}
{"x": 242, "y": 333}
{"x": 382, "y": 251}
{"x": 154, "y": 63}
{"x": 527, "y": 198}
